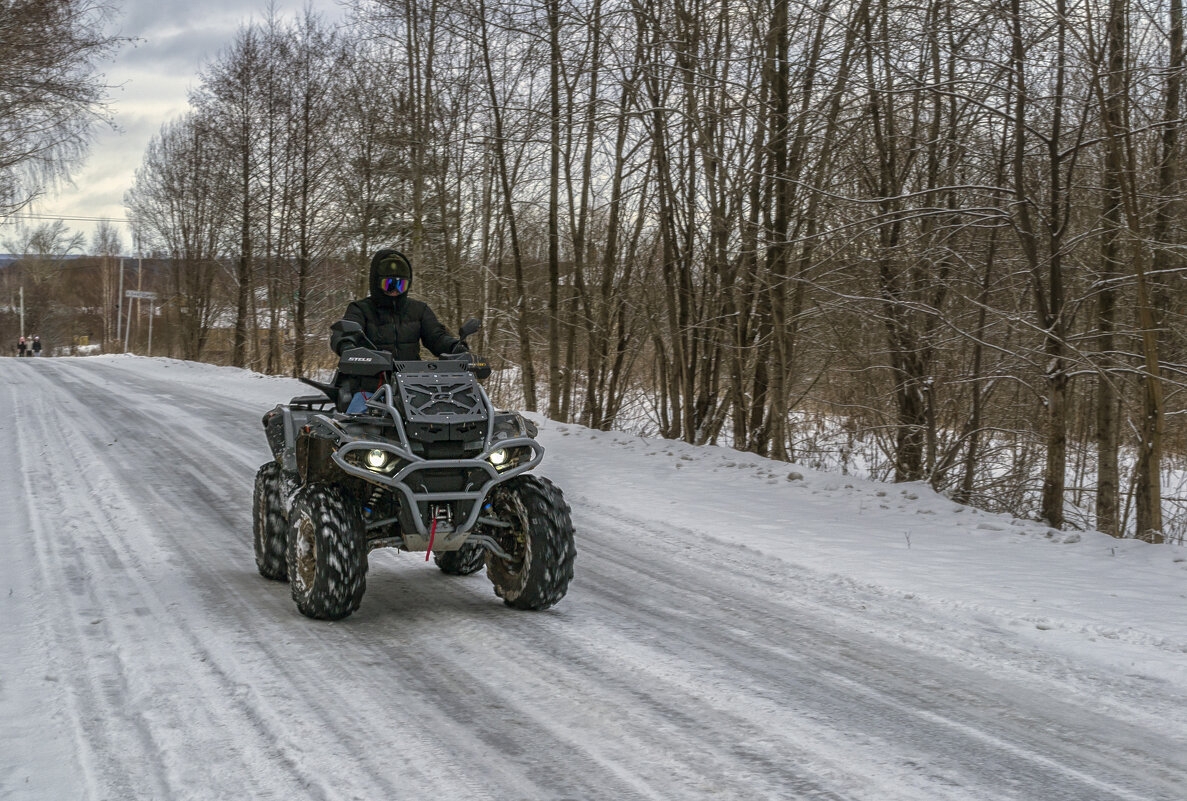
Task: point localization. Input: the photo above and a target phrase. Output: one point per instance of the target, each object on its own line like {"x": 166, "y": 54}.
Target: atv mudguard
{"x": 282, "y": 425}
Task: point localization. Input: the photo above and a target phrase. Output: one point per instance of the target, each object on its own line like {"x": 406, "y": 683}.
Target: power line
{"x": 23, "y": 216}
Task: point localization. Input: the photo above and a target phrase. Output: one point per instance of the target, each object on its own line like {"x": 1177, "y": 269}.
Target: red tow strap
{"x": 432, "y": 533}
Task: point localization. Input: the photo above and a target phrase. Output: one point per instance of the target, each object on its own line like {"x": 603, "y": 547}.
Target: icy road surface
{"x": 731, "y": 633}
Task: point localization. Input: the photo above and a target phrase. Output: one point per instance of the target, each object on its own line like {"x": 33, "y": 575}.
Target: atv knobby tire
{"x": 327, "y": 552}
{"x": 540, "y": 542}
{"x": 466, "y": 560}
{"x": 269, "y": 522}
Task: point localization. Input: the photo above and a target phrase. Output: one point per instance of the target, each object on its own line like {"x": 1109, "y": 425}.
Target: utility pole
{"x": 22, "y": 309}
{"x": 119, "y": 309}
{"x": 139, "y": 287}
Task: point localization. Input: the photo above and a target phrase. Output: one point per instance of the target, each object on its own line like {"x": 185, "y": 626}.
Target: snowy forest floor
{"x": 737, "y": 628}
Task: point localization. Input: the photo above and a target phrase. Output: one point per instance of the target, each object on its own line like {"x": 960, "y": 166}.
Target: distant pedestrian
{"x": 36, "y": 346}
{"x": 20, "y": 347}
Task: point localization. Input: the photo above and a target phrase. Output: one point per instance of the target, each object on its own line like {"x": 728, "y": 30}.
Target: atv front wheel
{"x": 269, "y": 522}
{"x": 462, "y": 562}
{"x": 327, "y": 552}
{"x": 539, "y": 542}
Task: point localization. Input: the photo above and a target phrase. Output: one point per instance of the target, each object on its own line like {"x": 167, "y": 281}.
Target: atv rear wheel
{"x": 327, "y": 552}
{"x": 540, "y": 543}
{"x": 269, "y": 522}
{"x": 466, "y": 560}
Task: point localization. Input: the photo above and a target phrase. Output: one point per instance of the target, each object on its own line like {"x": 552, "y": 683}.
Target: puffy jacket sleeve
{"x": 339, "y": 342}
{"x": 434, "y": 335}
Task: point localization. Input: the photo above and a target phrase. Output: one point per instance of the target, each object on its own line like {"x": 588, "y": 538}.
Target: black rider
{"x": 393, "y": 321}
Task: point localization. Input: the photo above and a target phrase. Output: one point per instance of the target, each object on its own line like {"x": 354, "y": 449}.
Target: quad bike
{"x": 409, "y": 455}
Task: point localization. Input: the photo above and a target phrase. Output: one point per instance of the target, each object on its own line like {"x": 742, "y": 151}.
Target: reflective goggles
{"x": 393, "y": 285}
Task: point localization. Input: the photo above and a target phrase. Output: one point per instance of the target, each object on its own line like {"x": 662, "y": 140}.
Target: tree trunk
{"x": 1149, "y": 486}
{"x": 1107, "y": 427}
{"x": 525, "y": 343}
{"x": 554, "y": 180}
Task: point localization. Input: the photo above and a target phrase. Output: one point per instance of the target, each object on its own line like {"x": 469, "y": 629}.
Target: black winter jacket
{"x": 398, "y": 325}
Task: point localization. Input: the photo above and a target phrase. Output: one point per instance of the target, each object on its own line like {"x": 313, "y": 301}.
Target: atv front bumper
{"x": 469, "y": 502}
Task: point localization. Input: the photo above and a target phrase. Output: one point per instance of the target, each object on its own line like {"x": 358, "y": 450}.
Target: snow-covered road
{"x": 712, "y": 645}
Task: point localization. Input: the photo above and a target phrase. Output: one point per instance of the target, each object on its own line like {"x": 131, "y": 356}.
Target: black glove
{"x": 460, "y": 347}
{"x": 344, "y": 342}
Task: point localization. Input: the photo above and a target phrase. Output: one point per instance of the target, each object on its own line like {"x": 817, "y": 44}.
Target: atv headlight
{"x": 375, "y": 460}
{"x": 506, "y": 458}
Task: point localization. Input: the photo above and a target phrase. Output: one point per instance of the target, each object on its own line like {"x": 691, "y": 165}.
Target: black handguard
{"x": 480, "y": 367}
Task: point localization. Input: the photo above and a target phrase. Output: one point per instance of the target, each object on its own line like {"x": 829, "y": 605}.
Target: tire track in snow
{"x": 52, "y": 642}
{"x": 330, "y": 723}
{"x": 325, "y": 698}
{"x": 677, "y": 668}
{"x": 665, "y": 741}
{"x": 908, "y": 704}
{"x": 90, "y": 693}
{"x": 144, "y": 611}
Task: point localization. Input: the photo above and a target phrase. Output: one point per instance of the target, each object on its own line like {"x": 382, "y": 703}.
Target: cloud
{"x": 140, "y": 17}
{"x": 178, "y": 51}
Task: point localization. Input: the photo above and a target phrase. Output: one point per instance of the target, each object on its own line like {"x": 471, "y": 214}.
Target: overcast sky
{"x": 175, "y": 38}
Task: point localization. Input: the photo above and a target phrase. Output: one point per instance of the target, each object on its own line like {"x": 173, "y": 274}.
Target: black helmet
{"x": 391, "y": 273}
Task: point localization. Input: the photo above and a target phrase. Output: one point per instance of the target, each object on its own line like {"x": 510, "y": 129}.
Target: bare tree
{"x": 51, "y": 91}
{"x": 894, "y": 236}
{"x": 176, "y": 208}
{"x": 509, "y": 212}
{"x": 107, "y": 245}
{"x": 229, "y": 96}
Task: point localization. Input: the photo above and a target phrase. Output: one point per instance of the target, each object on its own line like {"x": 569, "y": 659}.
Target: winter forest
{"x": 928, "y": 241}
